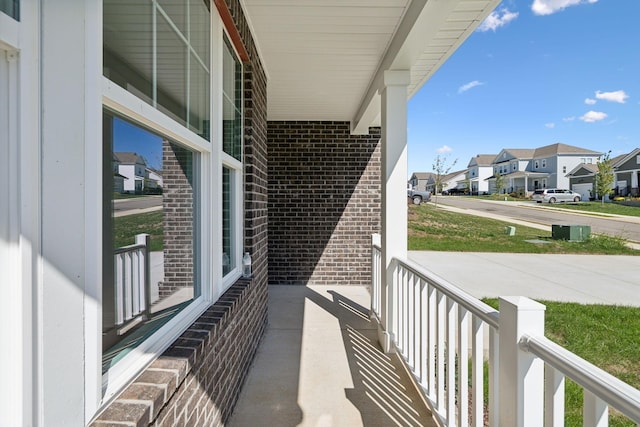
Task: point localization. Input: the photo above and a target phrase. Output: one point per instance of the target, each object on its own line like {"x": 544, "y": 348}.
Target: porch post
{"x": 634, "y": 182}
{"x": 520, "y": 374}
{"x": 394, "y": 185}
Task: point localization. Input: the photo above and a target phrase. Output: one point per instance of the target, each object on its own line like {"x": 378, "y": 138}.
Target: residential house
{"x": 526, "y": 170}
{"x": 422, "y": 181}
{"x": 300, "y": 181}
{"x": 480, "y": 169}
{"x": 512, "y": 164}
{"x": 582, "y": 180}
{"x": 118, "y": 180}
{"x": 134, "y": 168}
{"x": 627, "y": 171}
{"x": 557, "y": 160}
{"x": 454, "y": 182}
{"x": 153, "y": 179}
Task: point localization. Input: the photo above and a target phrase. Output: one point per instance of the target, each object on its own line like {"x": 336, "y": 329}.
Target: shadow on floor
{"x": 320, "y": 365}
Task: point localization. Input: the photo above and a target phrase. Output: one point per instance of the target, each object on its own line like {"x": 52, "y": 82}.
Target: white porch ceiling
{"x": 325, "y": 58}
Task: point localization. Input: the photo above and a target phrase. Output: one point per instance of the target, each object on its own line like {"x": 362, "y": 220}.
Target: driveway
{"x": 586, "y": 279}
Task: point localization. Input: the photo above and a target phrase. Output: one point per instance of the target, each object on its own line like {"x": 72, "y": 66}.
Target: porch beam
{"x": 394, "y": 178}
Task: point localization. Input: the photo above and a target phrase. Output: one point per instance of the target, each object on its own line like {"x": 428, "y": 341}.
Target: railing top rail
{"x": 474, "y": 305}
{"x": 610, "y": 389}
{"x": 129, "y": 248}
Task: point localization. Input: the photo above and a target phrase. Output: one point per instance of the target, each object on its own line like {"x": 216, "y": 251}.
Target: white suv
{"x": 555, "y": 195}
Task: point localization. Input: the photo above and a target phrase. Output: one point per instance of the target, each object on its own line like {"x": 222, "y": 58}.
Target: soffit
{"x": 324, "y": 58}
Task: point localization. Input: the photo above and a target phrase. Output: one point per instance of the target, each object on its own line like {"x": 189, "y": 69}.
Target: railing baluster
{"x": 432, "y": 340}
{"x": 127, "y": 286}
{"x": 440, "y": 346}
{"x": 494, "y": 363}
{"x": 451, "y": 362}
{"x": 119, "y": 289}
{"x": 595, "y": 411}
{"x": 477, "y": 380}
{"x": 423, "y": 356}
{"x": 553, "y": 397}
{"x": 463, "y": 367}
{"x": 411, "y": 320}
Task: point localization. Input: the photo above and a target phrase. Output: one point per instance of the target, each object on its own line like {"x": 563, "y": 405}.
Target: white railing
{"x": 435, "y": 325}
{"x": 132, "y": 282}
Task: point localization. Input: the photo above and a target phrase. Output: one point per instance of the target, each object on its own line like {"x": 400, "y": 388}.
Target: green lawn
{"x": 606, "y": 336}
{"x": 126, "y": 227}
{"x": 438, "y": 229}
{"x": 601, "y": 208}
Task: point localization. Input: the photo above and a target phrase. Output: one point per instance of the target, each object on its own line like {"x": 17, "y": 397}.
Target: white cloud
{"x": 593, "y": 116}
{"x": 550, "y": 125}
{"x": 469, "y": 85}
{"x": 548, "y": 7}
{"x": 590, "y": 101}
{"x": 568, "y": 119}
{"x": 497, "y": 19}
{"x": 444, "y": 149}
{"x": 618, "y": 96}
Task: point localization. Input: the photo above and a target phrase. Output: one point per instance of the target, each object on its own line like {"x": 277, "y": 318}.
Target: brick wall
{"x": 177, "y": 218}
{"x": 196, "y": 382}
{"x": 324, "y": 203}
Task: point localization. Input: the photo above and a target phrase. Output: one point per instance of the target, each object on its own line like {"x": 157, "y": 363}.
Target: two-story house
{"x": 422, "y": 181}
{"x": 479, "y": 170}
{"x": 134, "y": 168}
{"x": 557, "y": 160}
{"x": 525, "y": 170}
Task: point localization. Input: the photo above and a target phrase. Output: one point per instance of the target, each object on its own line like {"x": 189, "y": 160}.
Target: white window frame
{"x": 138, "y": 111}
{"x": 544, "y": 163}
{"x": 209, "y": 168}
{"x": 236, "y": 168}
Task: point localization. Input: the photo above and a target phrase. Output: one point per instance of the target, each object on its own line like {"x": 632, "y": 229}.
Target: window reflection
{"x": 148, "y": 234}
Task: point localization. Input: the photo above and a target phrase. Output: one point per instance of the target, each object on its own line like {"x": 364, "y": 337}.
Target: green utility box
{"x": 573, "y": 233}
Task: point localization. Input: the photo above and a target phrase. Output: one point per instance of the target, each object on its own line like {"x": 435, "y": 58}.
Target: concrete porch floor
{"x": 319, "y": 364}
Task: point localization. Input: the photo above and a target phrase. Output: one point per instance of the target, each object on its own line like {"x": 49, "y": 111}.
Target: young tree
{"x": 604, "y": 176}
{"x": 500, "y": 184}
{"x": 441, "y": 168}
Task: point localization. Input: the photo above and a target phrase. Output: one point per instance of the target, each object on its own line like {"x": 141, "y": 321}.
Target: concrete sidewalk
{"x": 319, "y": 364}
{"x": 586, "y": 279}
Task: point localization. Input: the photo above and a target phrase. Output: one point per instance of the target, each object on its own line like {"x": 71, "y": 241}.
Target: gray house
{"x": 627, "y": 171}
{"x": 422, "y": 181}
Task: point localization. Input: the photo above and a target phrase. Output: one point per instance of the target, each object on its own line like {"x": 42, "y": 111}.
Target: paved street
{"x": 136, "y": 205}
{"x": 543, "y": 214}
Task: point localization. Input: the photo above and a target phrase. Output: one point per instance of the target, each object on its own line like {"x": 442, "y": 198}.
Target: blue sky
{"x": 129, "y": 137}
{"x": 533, "y": 74}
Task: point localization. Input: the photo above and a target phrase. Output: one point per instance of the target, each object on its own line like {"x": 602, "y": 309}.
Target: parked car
{"x": 555, "y": 195}
{"x": 418, "y": 196}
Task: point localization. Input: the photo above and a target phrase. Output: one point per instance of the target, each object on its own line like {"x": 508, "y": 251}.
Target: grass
{"x": 443, "y": 230}
{"x": 599, "y": 207}
{"x": 604, "y": 335}
{"x": 126, "y": 227}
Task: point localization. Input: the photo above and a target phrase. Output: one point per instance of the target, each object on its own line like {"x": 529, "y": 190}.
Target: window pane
{"x": 229, "y": 261}
{"x": 171, "y": 69}
{"x": 128, "y": 41}
{"x": 148, "y": 234}
{"x": 11, "y": 8}
{"x": 232, "y": 104}
{"x": 170, "y": 72}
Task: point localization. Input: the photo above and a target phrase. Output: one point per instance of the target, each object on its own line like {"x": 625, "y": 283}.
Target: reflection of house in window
{"x": 133, "y": 167}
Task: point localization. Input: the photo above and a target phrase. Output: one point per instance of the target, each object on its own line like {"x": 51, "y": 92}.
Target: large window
{"x": 172, "y": 175}
{"x": 150, "y": 264}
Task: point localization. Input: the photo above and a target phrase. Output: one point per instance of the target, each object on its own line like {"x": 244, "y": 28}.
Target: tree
{"x": 604, "y": 176}
{"x": 441, "y": 168}
{"x": 500, "y": 184}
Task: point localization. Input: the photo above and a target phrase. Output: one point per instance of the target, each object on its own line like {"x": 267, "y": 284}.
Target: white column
{"x": 394, "y": 184}
{"x": 521, "y": 374}
{"x": 634, "y": 179}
